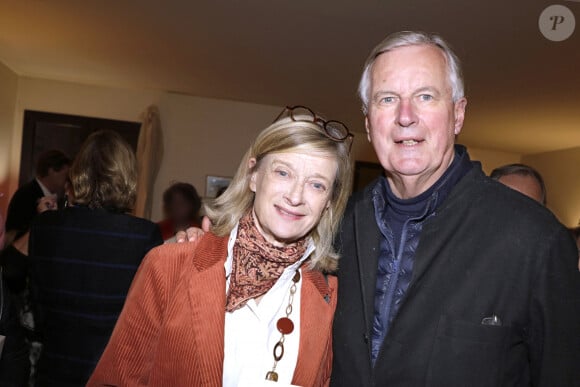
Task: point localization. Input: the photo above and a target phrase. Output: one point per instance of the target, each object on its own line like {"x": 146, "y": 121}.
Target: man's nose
{"x": 406, "y": 115}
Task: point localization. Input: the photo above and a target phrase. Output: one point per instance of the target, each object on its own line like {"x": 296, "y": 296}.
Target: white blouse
{"x": 251, "y": 333}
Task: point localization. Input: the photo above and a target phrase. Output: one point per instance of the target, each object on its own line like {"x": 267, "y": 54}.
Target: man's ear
{"x": 367, "y": 128}
{"x": 253, "y": 173}
{"x": 459, "y": 110}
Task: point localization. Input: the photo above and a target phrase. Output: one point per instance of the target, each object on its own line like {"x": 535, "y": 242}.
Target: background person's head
{"x": 523, "y": 179}
{"x": 412, "y": 95}
{"x": 52, "y": 170}
{"x": 104, "y": 173}
{"x": 297, "y": 181}
{"x": 181, "y": 204}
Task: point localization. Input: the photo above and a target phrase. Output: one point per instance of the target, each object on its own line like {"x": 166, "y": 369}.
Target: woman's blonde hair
{"x": 104, "y": 173}
{"x": 284, "y": 136}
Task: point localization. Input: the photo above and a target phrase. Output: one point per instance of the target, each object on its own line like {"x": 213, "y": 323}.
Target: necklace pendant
{"x": 272, "y": 376}
{"x": 285, "y": 325}
{"x": 296, "y": 277}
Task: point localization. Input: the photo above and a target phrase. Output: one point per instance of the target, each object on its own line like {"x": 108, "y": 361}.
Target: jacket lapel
{"x": 430, "y": 236}
{"x": 367, "y": 240}
{"x": 316, "y": 316}
{"x": 209, "y": 314}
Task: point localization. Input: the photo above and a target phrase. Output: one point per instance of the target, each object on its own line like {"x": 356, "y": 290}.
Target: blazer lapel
{"x": 425, "y": 257}
{"x": 367, "y": 239}
{"x": 316, "y": 316}
{"x": 208, "y": 313}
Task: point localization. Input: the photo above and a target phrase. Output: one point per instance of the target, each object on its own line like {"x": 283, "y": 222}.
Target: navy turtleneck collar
{"x": 394, "y": 212}
{"x": 460, "y": 165}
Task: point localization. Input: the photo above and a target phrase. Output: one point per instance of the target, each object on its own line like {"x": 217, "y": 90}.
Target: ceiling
{"x": 523, "y": 90}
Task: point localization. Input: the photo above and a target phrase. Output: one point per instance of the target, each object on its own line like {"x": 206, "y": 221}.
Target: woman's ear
{"x": 253, "y": 173}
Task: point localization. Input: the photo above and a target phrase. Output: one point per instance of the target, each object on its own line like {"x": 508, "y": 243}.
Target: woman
{"x": 268, "y": 316}
{"x": 83, "y": 259}
{"x": 181, "y": 205}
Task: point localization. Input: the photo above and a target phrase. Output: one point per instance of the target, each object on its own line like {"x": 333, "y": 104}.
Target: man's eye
{"x": 387, "y": 99}
{"x": 426, "y": 97}
{"x": 282, "y": 173}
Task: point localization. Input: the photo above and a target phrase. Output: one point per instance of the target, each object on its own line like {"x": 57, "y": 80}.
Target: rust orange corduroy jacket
{"x": 171, "y": 330}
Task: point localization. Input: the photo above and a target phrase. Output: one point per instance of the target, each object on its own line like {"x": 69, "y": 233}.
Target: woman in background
{"x": 83, "y": 259}
{"x": 251, "y": 302}
{"x": 181, "y": 205}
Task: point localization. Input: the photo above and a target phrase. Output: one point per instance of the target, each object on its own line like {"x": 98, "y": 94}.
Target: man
{"x": 51, "y": 174}
{"x": 522, "y": 178}
{"x": 447, "y": 278}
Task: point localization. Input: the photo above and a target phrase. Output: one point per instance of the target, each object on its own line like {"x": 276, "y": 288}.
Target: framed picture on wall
{"x": 216, "y": 185}
{"x": 365, "y": 173}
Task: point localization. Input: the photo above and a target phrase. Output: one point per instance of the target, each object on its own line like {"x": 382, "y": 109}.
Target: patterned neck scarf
{"x": 257, "y": 264}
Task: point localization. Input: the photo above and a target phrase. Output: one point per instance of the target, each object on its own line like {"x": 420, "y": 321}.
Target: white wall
{"x": 8, "y": 90}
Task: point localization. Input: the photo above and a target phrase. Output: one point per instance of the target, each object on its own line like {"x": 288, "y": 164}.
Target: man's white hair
{"x": 412, "y": 38}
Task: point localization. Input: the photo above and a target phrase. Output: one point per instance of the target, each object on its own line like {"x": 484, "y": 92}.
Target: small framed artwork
{"x": 216, "y": 185}
{"x": 365, "y": 173}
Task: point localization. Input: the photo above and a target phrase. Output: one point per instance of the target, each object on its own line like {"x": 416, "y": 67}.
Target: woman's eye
{"x": 319, "y": 186}
{"x": 281, "y": 172}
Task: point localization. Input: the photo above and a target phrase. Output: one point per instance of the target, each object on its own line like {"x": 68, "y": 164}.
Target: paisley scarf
{"x": 257, "y": 264}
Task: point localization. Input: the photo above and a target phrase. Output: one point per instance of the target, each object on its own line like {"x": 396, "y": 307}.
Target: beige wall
{"x": 561, "y": 173}
{"x": 362, "y": 150}
{"x": 491, "y": 159}
{"x": 8, "y": 90}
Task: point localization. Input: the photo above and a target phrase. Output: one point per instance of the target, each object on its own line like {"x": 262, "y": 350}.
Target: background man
{"x": 523, "y": 179}
{"x": 447, "y": 278}
{"x": 51, "y": 174}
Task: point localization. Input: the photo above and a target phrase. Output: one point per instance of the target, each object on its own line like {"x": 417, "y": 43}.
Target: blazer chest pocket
{"x": 467, "y": 354}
